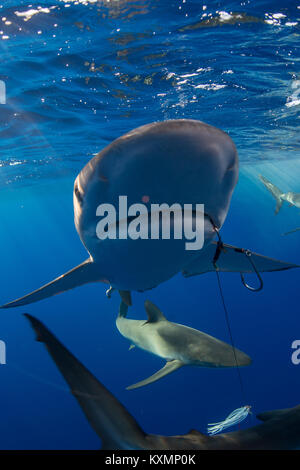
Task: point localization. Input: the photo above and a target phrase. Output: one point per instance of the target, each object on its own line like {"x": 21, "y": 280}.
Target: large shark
{"x": 117, "y": 429}
{"x": 172, "y": 162}
{"x": 179, "y": 345}
{"x": 291, "y": 197}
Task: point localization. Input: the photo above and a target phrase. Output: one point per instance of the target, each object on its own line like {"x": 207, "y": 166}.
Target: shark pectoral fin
{"x": 126, "y": 297}
{"x": 84, "y": 273}
{"x": 153, "y": 312}
{"x": 131, "y": 347}
{"x": 233, "y": 259}
{"x": 279, "y": 203}
{"x": 169, "y": 367}
{"x": 106, "y": 415}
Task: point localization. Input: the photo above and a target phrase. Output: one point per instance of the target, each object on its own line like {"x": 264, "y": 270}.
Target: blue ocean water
{"x": 79, "y": 74}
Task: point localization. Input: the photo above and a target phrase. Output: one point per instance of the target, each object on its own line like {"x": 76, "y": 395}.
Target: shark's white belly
{"x": 141, "y": 264}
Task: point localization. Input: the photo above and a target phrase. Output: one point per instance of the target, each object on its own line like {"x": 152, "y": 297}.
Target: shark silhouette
{"x": 117, "y": 429}
{"x": 291, "y": 197}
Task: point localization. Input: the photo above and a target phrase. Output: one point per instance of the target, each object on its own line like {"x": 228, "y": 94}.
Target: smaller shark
{"x": 117, "y": 428}
{"x": 179, "y": 345}
{"x": 292, "y": 231}
{"x": 292, "y": 198}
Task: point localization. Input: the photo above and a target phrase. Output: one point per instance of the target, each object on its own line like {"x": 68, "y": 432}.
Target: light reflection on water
{"x": 80, "y": 73}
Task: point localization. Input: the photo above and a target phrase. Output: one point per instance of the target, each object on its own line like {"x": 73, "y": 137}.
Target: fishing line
{"x": 231, "y": 337}
{"x": 239, "y": 414}
{"x": 218, "y": 251}
{"x": 61, "y": 388}
{"x": 37, "y": 378}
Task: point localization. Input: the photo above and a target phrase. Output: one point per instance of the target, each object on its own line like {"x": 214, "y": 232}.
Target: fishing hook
{"x": 261, "y": 283}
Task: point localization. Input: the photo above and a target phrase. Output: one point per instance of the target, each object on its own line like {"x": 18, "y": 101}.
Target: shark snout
{"x": 232, "y": 358}
{"x": 242, "y": 359}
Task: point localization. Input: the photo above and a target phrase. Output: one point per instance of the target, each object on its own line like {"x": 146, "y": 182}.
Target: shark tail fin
{"x": 106, "y": 415}
{"x": 233, "y": 259}
{"x": 275, "y": 191}
{"x": 84, "y": 273}
{"x": 169, "y": 367}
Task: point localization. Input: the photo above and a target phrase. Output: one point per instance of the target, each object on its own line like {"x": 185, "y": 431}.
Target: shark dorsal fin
{"x": 153, "y": 312}
{"x": 267, "y": 415}
{"x": 194, "y": 432}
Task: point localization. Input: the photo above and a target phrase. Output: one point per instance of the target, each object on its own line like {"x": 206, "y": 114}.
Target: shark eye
{"x": 78, "y": 194}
